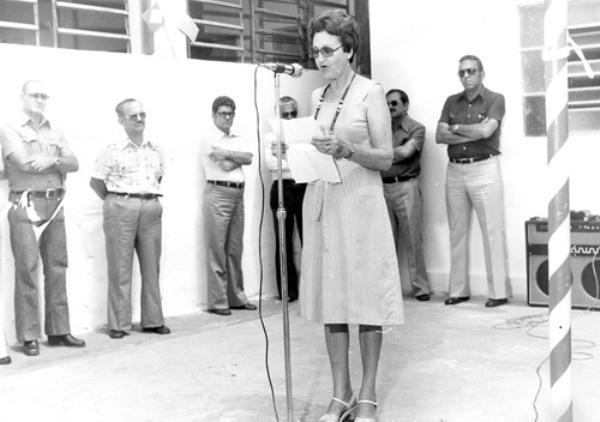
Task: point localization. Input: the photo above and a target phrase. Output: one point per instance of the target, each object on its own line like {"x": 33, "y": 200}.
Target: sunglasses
{"x": 464, "y": 72}
{"x": 325, "y": 51}
{"x": 226, "y": 113}
{"x": 38, "y": 96}
{"x": 137, "y": 116}
{"x": 393, "y": 103}
{"x": 289, "y": 114}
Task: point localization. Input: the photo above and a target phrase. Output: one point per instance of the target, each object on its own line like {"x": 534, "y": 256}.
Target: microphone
{"x": 294, "y": 70}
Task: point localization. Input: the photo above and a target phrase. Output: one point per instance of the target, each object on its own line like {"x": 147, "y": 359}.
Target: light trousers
{"x": 477, "y": 186}
{"x": 133, "y": 224}
{"x": 224, "y": 233}
{"x": 404, "y": 205}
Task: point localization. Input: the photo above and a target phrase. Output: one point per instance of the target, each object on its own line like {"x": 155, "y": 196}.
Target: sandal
{"x": 348, "y": 411}
{"x": 366, "y": 419}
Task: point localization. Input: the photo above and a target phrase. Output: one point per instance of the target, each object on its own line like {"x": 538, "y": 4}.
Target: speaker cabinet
{"x": 585, "y": 263}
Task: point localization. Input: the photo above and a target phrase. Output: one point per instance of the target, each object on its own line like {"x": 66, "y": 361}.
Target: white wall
{"x": 177, "y": 95}
{"x": 416, "y": 47}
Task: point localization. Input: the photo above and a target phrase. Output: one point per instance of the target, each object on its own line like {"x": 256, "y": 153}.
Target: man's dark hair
{"x": 221, "y": 101}
{"x": 403, "y": 95}
{"x": 474, "y": 58}
{"x": 119, "y": 107}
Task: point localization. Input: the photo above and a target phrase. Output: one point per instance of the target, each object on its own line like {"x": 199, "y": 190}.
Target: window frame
{"x": 48, "y": 29}
{"x": 535, "y": 99}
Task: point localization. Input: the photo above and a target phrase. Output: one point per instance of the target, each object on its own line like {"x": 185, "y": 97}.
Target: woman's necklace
{"x": 339, "y": 106}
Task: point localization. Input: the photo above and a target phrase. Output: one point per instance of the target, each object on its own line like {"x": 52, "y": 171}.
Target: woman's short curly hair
{"x": 339, "y": 23}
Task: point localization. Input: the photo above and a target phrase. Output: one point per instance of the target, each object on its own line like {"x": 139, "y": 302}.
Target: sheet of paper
{"x": 307, "y": 164}
{"x": 299, "y": 130}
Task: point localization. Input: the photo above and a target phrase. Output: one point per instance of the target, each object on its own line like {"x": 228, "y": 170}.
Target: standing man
{"x": 223, "y": 156}
{"x": 37, "y": 159}
{"x": 293, "y": 194}
{"x": 127, "y": 177}
{"x": 401, "y": 190}
{"x": 470, "y": 126}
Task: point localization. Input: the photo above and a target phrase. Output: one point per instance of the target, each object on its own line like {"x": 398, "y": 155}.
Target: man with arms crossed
{"x": 37, "y": 159}
{"x": 470, "y": 126}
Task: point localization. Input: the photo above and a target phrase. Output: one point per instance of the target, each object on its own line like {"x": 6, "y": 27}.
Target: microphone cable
{"x": 260, "y": 239}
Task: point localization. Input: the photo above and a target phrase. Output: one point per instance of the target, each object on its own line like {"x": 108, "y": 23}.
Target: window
{"x": 255, "y": 31}
{"x": 584, "y": 93}
{"x": 78, "y": 24}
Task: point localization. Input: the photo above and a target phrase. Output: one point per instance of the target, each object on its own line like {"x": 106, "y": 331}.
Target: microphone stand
{"x": 281, "y": 214}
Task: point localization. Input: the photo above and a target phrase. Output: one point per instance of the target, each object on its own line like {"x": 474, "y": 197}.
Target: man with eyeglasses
{"x": 470, "y": 126}
{"x": 127, "y": 176}
{"x": 293, "y": 195}
{"x": 402, "y": 193}
{"x": 224, "y": 154}
{"x": 37, "y": 159}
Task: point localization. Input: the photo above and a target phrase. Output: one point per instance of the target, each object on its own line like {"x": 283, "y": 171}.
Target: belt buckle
{"x": 52, "y": 193}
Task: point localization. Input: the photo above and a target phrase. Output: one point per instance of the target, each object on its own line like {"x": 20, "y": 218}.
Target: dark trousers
{"x": 293, "y": 195}
{"x": 52, "y": 248}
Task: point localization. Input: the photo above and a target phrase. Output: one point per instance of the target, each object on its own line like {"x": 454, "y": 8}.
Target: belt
{"x": 237, "y": 185}
{"x": 43, "y": 194}
{"x": 397, "y": 179}
{"x": 471, "y": 160}
{"x": 137, "y": 195}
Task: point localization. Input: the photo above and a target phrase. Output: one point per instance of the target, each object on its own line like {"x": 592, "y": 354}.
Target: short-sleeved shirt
{"x": 24, "y": 136}
{"x": 459, "y": 110}
{"x": 219, "y": 139}
{"x": 128, "y": 168}
{"x": 411, "y": 167}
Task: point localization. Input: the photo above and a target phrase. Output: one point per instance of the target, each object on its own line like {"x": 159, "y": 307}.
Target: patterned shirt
{"x": 23, "y": 136}
{"x": 128, "y": 168}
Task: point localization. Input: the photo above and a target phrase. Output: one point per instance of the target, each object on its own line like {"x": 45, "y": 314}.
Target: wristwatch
{"x": 454, "y": 128}
{"x": 351, "y": 151}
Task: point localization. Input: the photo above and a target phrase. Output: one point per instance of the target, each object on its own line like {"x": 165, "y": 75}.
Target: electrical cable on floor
{"x": 534, "y": 321}
{"x": 260, "y": 225}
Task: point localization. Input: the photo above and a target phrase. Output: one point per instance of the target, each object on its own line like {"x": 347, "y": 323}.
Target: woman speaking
{"x": 349, "y": 267}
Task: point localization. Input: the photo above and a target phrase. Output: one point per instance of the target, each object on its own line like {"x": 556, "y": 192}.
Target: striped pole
{"x": 559, "y": 225}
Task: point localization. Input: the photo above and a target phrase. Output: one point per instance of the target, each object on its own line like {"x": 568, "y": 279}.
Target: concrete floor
{"x": 446, "y": 364}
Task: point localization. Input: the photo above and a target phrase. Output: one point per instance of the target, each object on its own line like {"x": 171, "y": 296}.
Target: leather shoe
{"x": 456, "y": 299}
{"x": 117, "y": 333}
{"x": 492, "y": 303}
{"x": 31, "y": 348}
{"x": 246, "y": 306}
{"x": 66, "y": 340}
{"x": 423, "y": 298}
{"x": 163, "y": 329}
{"x": 221, "y": 311}
{"x": 5, "y": 360}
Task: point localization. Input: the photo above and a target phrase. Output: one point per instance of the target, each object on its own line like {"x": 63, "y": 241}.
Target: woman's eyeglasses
{"x": 325, "y": 51}
{"x": 226, "y": 114}
{"x": 464, "y": 72}
{"x": 393, "y": 103}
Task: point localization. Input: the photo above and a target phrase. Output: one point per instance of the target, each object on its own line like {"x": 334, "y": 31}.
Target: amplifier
{"x": 585, "y": 263}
